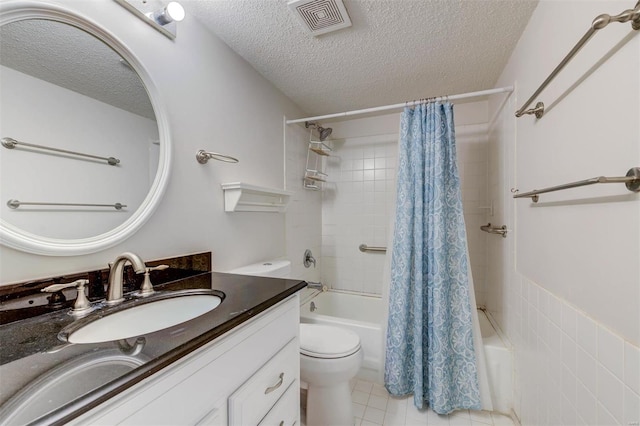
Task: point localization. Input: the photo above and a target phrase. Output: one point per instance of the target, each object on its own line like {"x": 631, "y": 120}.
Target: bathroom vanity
{"x": 237, "y": 364}
{"x": 248, "y": 376}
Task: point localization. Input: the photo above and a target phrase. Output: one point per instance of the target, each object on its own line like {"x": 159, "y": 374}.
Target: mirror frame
{"x": 16, "y": 238}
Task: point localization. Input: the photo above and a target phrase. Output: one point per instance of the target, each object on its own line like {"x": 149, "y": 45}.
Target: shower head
{"x": 323, "y": 132}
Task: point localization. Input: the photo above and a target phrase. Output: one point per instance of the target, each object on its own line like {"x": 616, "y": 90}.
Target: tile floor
{"x": 372, "y": 405}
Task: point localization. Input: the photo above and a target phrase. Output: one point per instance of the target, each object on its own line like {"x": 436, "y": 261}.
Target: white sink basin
{"x": 141, "y": 317}
{"x": 65, "y": 383}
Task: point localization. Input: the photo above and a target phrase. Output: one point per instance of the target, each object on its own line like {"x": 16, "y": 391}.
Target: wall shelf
{"x": 242, "y": 197}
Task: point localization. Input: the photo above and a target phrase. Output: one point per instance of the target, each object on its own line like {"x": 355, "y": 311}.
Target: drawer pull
{"x": 282, "y": 423}
{"x": 276, "y": 386}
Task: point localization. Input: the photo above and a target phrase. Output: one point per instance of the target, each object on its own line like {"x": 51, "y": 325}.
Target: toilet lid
{"x": 324, "y": 341}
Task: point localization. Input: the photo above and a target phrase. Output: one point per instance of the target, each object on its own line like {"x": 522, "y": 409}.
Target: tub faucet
{"x": 114, "y": 290}
{"x": 318, "y": 285}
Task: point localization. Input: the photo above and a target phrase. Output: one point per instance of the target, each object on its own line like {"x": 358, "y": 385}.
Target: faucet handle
{"x": 57, "y": 287}
{"x": 158, "y": 268}
{"x": 308, "y": 259}
{"x": 82, "y": 304}
{"x": 147, "y": 287}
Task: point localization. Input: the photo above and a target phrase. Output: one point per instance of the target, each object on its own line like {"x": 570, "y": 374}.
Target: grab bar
{"x": 598, "y": 23}
{"x": 364, "y": 248}
{"x": 631, "y": 181}
{"x": 14, "y": 204}
{"x": 10, "y": 143}
{"x": 502, "y": 230}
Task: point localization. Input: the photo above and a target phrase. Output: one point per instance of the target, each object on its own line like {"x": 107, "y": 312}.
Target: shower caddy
{"x": 314, "y": 176}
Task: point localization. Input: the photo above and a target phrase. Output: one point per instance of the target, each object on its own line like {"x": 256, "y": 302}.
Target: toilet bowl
{"x": 329, "y": 358}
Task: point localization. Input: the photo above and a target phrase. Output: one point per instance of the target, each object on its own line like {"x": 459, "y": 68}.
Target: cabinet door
{"x": 216, "y": 417}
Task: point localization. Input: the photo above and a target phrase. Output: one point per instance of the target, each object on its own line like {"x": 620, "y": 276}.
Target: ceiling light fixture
{"x": 161, "y": 17}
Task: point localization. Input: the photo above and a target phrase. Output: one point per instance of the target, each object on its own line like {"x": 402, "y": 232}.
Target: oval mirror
{"x": 85, "y": 143}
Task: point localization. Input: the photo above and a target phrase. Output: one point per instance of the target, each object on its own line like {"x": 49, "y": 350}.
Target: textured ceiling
{"x": 71, "y": 58}
{"x": 396, "y": 50}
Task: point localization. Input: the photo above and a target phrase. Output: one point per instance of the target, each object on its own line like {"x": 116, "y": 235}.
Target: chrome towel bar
{"x": 598, "y": 23}
{"x": 14, "y": 204}
{"x": 364, "y": 248}
{"x": 501, "y": 230}
{"x": 10, "y": 143}
{"x": 631, "y": 181}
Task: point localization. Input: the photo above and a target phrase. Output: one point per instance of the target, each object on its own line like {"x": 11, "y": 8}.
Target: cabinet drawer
{"x": 285, "y": 412}
{"x": 249, "y": 404}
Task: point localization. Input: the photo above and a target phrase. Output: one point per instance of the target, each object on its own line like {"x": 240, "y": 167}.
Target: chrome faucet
{"x": 318, "y": 285}
{"x": 114, "y": 291}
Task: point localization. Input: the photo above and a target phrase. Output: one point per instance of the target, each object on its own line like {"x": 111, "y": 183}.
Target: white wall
{"x": 358, "y": 199}
{"x": 215, "y": 101}
{"x": 37, "y": 112}
{"x": 566, "y": 283}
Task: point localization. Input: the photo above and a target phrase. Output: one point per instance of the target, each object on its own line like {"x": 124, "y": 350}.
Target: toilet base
{"x": 329, "y": 405}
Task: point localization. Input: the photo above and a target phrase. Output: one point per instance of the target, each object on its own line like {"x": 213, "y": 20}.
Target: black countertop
{"x": 30, "y": 348}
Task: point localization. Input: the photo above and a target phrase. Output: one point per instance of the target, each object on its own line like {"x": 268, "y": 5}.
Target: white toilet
{"x": 329, "y": 358}
{"x": 269, "y": 268}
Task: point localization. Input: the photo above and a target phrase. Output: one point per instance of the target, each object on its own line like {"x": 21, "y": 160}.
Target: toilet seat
{"x": 324, "y": 341}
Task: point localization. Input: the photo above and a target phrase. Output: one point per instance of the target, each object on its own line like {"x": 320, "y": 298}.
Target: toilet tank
{"x": 268, "y": 268}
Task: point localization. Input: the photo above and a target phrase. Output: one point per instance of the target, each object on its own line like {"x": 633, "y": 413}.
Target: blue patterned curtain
{"x": 429, "y": 349}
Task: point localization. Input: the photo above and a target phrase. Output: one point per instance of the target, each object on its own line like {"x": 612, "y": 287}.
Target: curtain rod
{"x": 402, "y": 105}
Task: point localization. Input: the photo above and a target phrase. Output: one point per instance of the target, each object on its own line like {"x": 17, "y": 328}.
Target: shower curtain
{"x": 432, "y": 324}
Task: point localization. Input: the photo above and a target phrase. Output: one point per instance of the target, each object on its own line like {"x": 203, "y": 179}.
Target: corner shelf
{"x": 242, "y": 197}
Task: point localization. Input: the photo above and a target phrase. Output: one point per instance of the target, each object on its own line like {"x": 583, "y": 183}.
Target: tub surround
{"x": 31, "y": 348}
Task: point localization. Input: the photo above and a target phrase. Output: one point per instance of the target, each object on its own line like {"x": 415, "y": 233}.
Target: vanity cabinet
{"x": 248, "y": 376}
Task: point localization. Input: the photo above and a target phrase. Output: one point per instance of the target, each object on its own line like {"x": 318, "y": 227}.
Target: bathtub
{"x": 363, "y": 315}
{"x": 499, "y": 364}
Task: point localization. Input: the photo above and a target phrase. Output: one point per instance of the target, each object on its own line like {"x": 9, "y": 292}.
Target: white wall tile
{"x": 631, "y": 407}
{"x": 568, "y": 352}
{"x": 586, "y": 369}
{"x": 569, "y": 413}
{"x": 586, "y": 405}
{"x": 569, "y": 385}
{"x": 555, "y": 310}
{"x": 569, "y": 320}
{"x": 632, "y": 367}
{"x": 586, "y": 335}
{"x": 556, "y": 370}
{"x": 610, "y": 393}
{"x": 611, "y": 352}
{"x": 605, "y": 418}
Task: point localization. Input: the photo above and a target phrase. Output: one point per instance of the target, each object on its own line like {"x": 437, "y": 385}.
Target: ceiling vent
{"x": 321, "y": 16}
